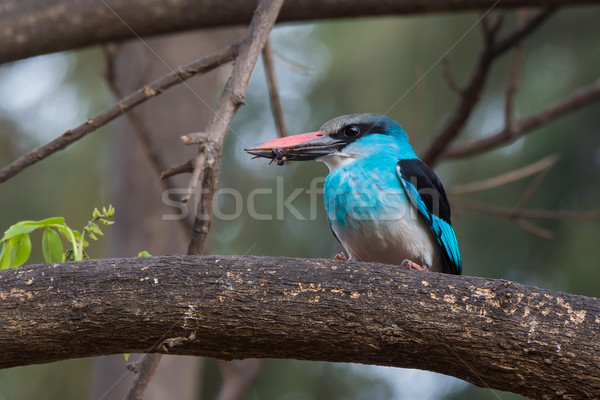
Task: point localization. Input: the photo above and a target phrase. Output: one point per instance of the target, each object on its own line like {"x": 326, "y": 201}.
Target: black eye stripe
{"x": 348, "y": 132}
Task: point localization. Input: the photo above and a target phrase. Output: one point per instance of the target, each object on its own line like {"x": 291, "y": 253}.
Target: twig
{"x": 542, "y": 165}
{"x": 448, "y": 77}
{"x": 143, "y": 375}
{"x": 70, "y": 136}
{"x": 267, "y": 54}
{"x": 511, "y": 87}
{"x": 523, "y": 30}
{"x": 238, "y": 376}
{"x": 195, "y": 138}
{"x": 534, "y": 229}
{"x": 471, "y": 93}
{"x": 199, "y": 165}
{"x": 531, "y": 189}
{"x": 578, "y": 99}
{"x": 293, "y": 65}
{"x": 187, "y": 166}
{"x": 252, "y": 44}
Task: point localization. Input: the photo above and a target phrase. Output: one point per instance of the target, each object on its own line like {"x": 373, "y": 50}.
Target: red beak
{"x": 306, "y": 146}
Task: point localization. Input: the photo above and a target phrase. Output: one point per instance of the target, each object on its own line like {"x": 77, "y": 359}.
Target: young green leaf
{"x": 20, "y": 249}
{"x": 30, "y": 226}
{"x": 126, "y": 355}
{"x": 144, "y": 254}
{"x": 52, "y": 246}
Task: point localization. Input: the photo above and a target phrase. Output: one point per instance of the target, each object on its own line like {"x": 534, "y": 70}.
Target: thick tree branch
{"x": 539, "y": 343}
{"x": 69, "y": 137}
{"x": 32, "y": 27}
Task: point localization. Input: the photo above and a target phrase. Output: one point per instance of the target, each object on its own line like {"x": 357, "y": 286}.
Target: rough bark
{"x": 32, "y": 27}
{"x": 493, "y": 333}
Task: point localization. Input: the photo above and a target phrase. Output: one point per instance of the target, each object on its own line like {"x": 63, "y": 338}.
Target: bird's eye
{"x": 352, "y": 131}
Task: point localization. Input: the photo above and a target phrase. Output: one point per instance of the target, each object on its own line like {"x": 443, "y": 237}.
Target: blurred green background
{"x": 326, "y": 70}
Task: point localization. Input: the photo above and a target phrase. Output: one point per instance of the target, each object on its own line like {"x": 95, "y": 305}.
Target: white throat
{"x": 337, "y": 160}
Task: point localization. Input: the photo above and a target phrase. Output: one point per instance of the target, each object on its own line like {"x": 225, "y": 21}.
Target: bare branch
{"x": 523, "y": 30}
{"x": 69, "y": 137}
{"x": 199, "y": 165}
{"x": 493, "y": 48}
{"x": 195, "y": 138}
{"x": 530, "y": 227}
{"x": 228, "y": 307}
{"x": 185, "y": 167}
{"x": 578, "y": 99}
{"x": 448, "y": 77}
{"x": 143, "y": 375}
{"x": 545, "y": 164}
{"x": 232, "y": 98}
{"x": 511, "y": 87}
{"x": 531, "y": 189}
{"x": 267, "y": 54}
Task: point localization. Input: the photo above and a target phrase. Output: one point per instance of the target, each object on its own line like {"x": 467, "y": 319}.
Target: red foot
{"x": 412, "y": 265}
{"x": 340, "y": 256}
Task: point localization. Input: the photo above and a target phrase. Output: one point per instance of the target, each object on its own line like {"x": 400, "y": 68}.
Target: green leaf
{"x": 52, "y": 246}
{"x": 30, "y": 226}
{"x": 4, "y": 255}
{"x": 93, "y": 236}
{"x": 126, "y": 355}
{"x": 20, "y": 249}
{"x": 144, "y": 254}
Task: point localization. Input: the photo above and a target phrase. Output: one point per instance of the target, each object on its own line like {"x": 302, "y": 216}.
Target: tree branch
{"x": 511, "y": 176}
{"x": 33, "y": 27}
{"x": 69, "y": 137}
{"x": 251, "y": 45}
{"x": 274, "y": 99}
{"x": 539, "y": 343}
{"x": 471, "y": 93}
{"x": 580, "y": 98}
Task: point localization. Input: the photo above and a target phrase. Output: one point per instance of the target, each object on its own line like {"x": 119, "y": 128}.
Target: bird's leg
{"x": 342, "y": 256}
{"x": 413, "y": 265}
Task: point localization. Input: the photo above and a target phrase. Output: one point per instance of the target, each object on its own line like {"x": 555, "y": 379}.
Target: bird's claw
{"x": 414, "y": 266}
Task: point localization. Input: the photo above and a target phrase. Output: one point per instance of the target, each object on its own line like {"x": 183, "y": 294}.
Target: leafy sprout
{"x": 15, "y": 245}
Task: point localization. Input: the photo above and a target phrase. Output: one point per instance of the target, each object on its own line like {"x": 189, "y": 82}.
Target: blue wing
{"x": 426, "y": 193}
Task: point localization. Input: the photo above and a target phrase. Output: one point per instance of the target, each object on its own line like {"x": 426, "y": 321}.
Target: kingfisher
{"x": 382, "y": 202}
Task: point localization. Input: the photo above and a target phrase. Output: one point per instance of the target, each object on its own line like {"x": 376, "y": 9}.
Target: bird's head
{"x": 341, "y": 141}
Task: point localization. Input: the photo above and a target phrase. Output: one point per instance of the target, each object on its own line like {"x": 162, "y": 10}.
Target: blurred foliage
{"x": 339, "y": 68}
